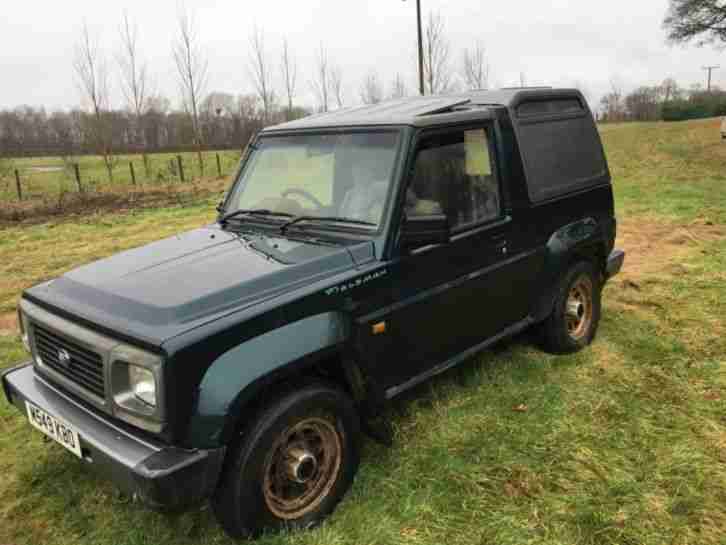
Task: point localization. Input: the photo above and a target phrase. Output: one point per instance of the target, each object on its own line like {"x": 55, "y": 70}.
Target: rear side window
{"x": 560, "y": 154}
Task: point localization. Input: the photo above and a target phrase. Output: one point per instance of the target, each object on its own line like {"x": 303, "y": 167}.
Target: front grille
{"x": 84, "y": 368}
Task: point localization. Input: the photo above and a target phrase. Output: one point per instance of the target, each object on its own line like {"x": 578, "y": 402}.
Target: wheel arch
{"x": 242, "y": 379}
{"x": 583, "y": 240}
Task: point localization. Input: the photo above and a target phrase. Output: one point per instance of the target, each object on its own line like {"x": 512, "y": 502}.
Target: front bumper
{"x": 614, "y": 264}
{"x": 161, "y": 476}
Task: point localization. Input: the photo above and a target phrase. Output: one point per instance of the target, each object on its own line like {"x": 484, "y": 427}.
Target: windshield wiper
{"x": 298, "y": 219}
{"x": 252, "y": 212}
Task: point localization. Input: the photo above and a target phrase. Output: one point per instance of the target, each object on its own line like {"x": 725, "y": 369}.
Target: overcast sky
{"x": 555, "y": 42}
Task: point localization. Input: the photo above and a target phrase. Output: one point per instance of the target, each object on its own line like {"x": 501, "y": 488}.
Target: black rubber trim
{"x": 175, "y": 478}
{"x": 615, "y": 263}
{"x": 6, "y": 372}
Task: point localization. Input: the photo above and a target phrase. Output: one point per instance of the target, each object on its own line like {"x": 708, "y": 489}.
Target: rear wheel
{"x": 293, "y": 464}
{"x": 575, "y": 316}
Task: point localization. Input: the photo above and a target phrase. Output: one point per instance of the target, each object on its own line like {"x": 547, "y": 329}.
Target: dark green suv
{"x": 357, "y": 253}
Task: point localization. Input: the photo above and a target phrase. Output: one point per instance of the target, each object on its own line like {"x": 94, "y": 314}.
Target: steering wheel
{"x": 302, "y": 193}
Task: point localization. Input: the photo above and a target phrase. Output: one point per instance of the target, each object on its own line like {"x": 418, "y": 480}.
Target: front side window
{"x": 342, "y": 175}
{"x": 454, "y": 175}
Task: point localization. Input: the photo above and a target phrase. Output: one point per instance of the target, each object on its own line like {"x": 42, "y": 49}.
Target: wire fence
{"x": 41, "y": 178}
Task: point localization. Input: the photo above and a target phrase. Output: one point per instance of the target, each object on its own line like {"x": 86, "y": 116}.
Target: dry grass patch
{"x": 117, "y": 199}
{"x": 658, "y": 252}
{"x": 8, "y": 324}
{"x": 655, "y": 247}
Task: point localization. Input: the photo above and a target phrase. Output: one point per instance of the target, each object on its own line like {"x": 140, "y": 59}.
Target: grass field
{"x": 624, "y": 443}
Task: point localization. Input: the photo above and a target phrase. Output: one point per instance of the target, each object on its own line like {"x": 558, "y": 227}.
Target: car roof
{"x": 426, "y": 111}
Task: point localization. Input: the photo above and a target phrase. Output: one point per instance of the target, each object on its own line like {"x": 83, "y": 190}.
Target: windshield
{"x": 343, "y": 176}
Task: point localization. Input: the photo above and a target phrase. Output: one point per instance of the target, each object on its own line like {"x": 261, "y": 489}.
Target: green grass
{"x": 623, "y": 443}
{"x": 673, "y": 170}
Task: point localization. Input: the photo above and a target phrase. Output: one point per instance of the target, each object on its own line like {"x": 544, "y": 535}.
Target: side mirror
{"x": 421, "y": 231}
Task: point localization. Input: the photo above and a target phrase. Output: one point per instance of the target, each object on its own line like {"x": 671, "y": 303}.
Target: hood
{"x": 158, "y": 291}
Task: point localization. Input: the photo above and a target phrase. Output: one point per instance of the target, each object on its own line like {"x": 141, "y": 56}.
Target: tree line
{"x": 665, "y": 102}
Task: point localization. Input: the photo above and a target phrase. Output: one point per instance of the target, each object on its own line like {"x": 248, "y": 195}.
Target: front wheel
{"x": 292, "y": 465}
{"x": 575, "y": 316}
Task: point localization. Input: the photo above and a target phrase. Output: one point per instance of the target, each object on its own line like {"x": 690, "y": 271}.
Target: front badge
{"x": 64, "y": 358}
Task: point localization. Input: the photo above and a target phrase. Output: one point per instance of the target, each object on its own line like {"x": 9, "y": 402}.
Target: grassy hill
{"x": 623, "y": 443}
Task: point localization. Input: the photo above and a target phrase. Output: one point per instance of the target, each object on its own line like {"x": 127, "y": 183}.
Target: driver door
{"x": 451, "y": 297}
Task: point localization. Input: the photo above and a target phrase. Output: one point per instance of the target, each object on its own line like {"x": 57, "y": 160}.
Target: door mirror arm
{"x": 419, "y": 231}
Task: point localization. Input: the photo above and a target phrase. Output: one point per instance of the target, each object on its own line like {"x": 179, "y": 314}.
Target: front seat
{"x": 421, "y": 207}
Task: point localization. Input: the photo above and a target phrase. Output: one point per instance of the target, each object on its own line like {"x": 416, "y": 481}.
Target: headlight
{"x": 142, "y": 384}
{"x": 23, "y": 326}
{"x": 136, "y": 385}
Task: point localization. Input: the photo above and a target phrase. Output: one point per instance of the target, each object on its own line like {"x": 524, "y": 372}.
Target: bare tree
{"x": 261, "y": 73}
{"x": 371, "y": 91}
{"x": 398, "y": 87}
{"x": 476, "y": 67}
{"x": 217, "y": 111}
{"x": 336, "y": 84}
{"x": 612, "y": 105}
{"x": 134, "y": 81}
{"x": 90, "y": 67}
{"x": 192, "y": 68}
{"x": 643, "y": 104}
{"x": 670, "y": 90}
{"x": 321, "y": 83}
{"x": 289, "y": 76}
{"x": 437, "y": 65}
{"x": 62, "y": 130}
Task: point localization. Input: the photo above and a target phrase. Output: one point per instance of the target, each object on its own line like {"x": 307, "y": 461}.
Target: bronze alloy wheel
{"x": 302, "y": 467}
{"x": 578, "y": 309}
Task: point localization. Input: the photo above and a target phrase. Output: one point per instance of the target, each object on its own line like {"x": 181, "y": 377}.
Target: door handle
{"x": 501, "y": 247}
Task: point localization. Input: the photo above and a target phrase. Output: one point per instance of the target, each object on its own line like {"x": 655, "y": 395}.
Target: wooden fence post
{"x": 147, "y": 167}
{"x": 219, "y": 166}
{"x": 77, "y": 172}
{"x": 133, "y": 174}
{"x": 17, "y": 185}
{"x": 181, "y": 167}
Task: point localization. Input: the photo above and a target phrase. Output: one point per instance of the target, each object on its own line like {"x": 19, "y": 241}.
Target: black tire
{"x": 246, "y": 501}
{"x": 556, "y": 333}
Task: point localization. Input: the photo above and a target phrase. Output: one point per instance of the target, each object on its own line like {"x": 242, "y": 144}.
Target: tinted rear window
{"x": 548, "y": 107}
{"x": 561, "y": 155}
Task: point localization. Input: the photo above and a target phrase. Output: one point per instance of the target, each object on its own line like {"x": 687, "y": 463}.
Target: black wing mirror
{"x": 427, "y": 230}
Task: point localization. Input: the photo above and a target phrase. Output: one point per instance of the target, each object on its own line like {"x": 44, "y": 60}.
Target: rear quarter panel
{"x": 574, "y": 225}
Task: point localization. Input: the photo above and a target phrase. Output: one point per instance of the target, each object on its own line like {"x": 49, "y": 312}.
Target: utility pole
{"x": 421, "y": 88}
{"x": 709, "y": 70}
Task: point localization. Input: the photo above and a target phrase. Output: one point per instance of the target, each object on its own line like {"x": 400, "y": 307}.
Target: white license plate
{"x": 54, "y": 428}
